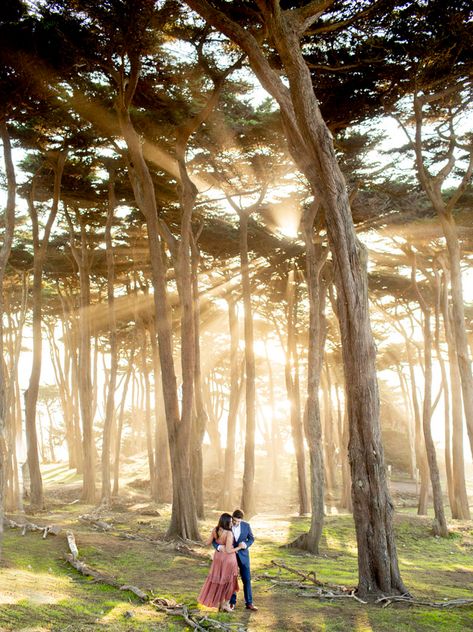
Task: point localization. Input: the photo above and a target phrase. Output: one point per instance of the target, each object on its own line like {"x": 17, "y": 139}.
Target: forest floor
{"x": 40, "y": 590}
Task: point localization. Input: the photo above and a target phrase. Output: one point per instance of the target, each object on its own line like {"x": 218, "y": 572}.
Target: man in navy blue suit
{"x": 242, "y": 534}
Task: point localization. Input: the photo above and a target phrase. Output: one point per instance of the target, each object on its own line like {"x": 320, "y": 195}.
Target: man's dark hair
{"x": 238, "y": 514}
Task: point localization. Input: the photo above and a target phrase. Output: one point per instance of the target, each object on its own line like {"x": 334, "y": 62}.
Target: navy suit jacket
{"x": 246, "y": 536}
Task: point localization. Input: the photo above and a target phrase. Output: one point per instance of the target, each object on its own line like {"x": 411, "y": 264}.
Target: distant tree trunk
{"x": 446, "y": 397}
{"x": 461, "y": 510}
{"x": 235, "y": 394}
{"x": 13, "y": 405}
{"x": 110, "y": 403}
{"x": 64, "y": 396}
{"x": 31, "y": 395}
{"x": 420, "y": 451}
{"x": 147, "y": 406}
{"x": 328, "y": 441}
{"x": 121, "y": 415}
{"x": 292, "y": 387}
{"x": 315, "y": 259}
{"x": 9, "y": 225}
{"x": 200, "y": 418}
{"x": 183, "y": 518}
{"x": 432, "y": 185}
{"x": 161, "y": 441}
{"x": 440, "y": 524}
{"x": 82, "y": 258}
{"x": 409, "y": 422}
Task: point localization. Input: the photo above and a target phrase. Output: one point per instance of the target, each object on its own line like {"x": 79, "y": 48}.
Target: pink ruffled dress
{"x": 222, "y": 580}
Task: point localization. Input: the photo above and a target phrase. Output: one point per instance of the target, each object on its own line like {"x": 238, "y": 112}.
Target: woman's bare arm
{"x": 213, "y": 536}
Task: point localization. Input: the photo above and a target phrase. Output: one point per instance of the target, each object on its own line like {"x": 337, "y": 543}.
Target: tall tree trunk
{"x": 292, "y": 386}
{"x": 200, "y": 417}
{"x": 31, "y": 395}
{"x": 9, "y": 224}
{"x": 183, "y": 518}
{"x": 315, "y": 259}
{"x": 110, "y": 403}
{"x": 432, "y": 185}
{"x": 311, "y": 146}
{"x": 248, "y": 490}
{"x": 446, "y": 397}
{"x": 440, "y": 524}
{"x": 86, "y": 404}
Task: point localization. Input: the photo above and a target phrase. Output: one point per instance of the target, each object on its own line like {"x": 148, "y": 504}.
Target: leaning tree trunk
{"x": 9, "y": 225}
{"x": 311, "y": 146}
{"x": 183, "y": 517}
{"x": 31, "y": 395}
{"x": 292, "y": 387}
{"x": 121, "y": 415}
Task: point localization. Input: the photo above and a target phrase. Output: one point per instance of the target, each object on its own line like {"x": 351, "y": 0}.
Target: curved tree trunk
{"x": 311, "y": 146}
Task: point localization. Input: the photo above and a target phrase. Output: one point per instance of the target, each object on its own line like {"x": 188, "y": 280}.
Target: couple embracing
{"x": 231, "y": 539}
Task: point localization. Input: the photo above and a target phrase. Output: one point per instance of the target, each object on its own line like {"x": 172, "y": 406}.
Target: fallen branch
{"x": 452, "y": 603}
{"x": 30, "y": 526}
{"x": 306, "y": 576}
{"x": 71, "y": 541}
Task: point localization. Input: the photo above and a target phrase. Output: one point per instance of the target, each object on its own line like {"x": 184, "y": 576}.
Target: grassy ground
{"x": 40, "y": 591}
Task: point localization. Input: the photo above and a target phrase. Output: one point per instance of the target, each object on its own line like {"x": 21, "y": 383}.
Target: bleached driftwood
{"x": 71, "y": 541}
{"x": 30, "y": 526}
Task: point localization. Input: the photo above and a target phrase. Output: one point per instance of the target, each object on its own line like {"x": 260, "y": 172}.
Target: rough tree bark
{"x": 312, "y": 148}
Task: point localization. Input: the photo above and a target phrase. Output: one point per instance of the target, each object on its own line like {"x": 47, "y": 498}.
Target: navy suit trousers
{"x": 246, "y": 579}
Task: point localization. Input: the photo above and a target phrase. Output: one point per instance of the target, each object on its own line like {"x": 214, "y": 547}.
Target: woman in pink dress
{"x": 222, "y": 580}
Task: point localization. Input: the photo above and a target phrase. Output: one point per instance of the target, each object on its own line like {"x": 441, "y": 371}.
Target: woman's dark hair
{"x": 224, "y": 523}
